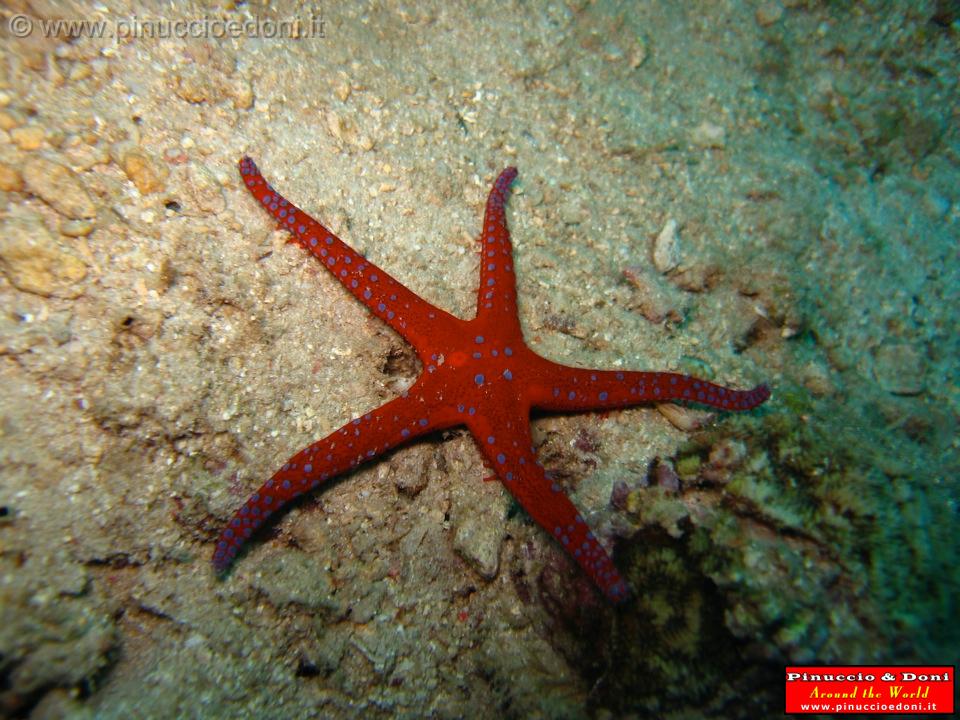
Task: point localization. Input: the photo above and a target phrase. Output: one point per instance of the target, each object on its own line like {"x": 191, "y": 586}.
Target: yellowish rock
{"x": 684, "y": 418}
{"x": 768, "y": 13}
{"x": 816, "y": 378}
{"x": 59, "y": 187}
{"x": 147, "y": 175}
{"x": 196, "y": 85}
{"x": 29, "y": 137}
{"x": 34, "y": 262}
{"x": 8, "y": 120}
{"x": 10, "y": 180}
{"x": 242, "y": 93}
{"x": 77, "y": 228}
{"x": 80, "y": 71}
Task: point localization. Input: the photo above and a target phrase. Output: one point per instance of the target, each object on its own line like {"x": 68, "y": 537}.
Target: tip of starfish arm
{"x": 223, "y": 556}
{"x": 508, "y": 175}
{"x": 761, "y": 393}
{"x": 619, "y": 592}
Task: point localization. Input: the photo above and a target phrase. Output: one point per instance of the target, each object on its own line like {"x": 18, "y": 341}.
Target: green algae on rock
{"x": 798, "y": 506}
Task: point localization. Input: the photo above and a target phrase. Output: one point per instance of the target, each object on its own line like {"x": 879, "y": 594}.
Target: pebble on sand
{"x": 29, "y": 137}
{"x": 59, "y": 188}
{"x": 666, "y": 248}
{"x": 10, "y": 180}
{"x": 148, "y": 176}
{"x": 665, "y": 476}
{"x": 899, "y": 368}
{"x": 478, "y": 542}
{"x": 9, "y": 120}
{"x": 241, "y": 92}
{"x": 651, "y": 296}
{"x": 35, "y": 262}
{"x": 197, "y": 86}
{"x": 709, "y": 135}
{"x": 77, "y": 228}
{"x": 205, "y": 193}
{"x": 684, "y": 418}
{"x": 768, "y": 13}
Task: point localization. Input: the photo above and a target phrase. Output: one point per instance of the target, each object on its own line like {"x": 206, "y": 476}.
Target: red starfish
{"x": 479, "y": 373}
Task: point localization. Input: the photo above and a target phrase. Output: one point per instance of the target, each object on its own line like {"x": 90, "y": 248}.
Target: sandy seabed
{"x": 750, "y": 191}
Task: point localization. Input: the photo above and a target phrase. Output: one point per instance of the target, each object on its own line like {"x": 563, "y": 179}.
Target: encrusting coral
{"x": 768, "y": 503}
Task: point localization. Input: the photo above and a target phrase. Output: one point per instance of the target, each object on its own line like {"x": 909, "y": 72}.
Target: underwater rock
{"x": 684, "y": 418}
{"x": 77, "y": 228}
{"x": 619, "y": 495}
{"x": 147, "y": 175}
{"x": 56, "y": 630}
{"x": 206, "y": 195}
{"x": 196, "y": 85}
{"x": 655, "y": 299}
{"x": 35, "y": 262}
{"x": 59, "y": 187}
{"x": 768, "y": 13}
{"x": 816, "y": 379}
{"x": 709, "y": 135}
{"x": 295, "y": 578}
{"x": 410, "y": 472}
{"x": 899, "y": 368}
{"x": 478, "y": 537}
{"x": 28, "y": 137}
{"x": 666, "y": 248}
{"x": 10, "y": 180}
{"x": 665, "y": 476}
{"x": 241, "y": 92}
{"x": 725, "y": 456}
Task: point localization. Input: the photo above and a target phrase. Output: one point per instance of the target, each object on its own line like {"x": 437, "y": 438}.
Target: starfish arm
{"x": 507, "y": 446}
{"x": 568, "y": 388}
{"x": 360, "y": 440}
{"x": 497, "y": 296}
{"x": 406, "y": 312}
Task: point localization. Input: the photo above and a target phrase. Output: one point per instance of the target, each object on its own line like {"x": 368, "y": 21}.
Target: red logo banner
{"x": 874, "y": 689}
